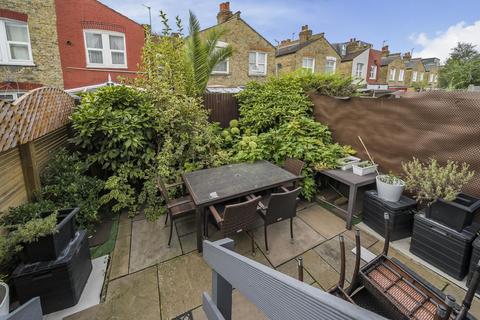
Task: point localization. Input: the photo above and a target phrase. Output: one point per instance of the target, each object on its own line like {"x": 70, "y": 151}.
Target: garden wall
{"x": 31, "y": 130}
{"x": 444, "y": 125}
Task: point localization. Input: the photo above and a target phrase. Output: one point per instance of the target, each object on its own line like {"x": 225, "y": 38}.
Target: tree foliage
{"x": 462, "y": 68}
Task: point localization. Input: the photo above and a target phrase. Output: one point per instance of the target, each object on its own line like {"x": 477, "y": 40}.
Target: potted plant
{"x": 363, "y": 168}
{"x": 4, "y": 299}
{"x": 439, "y": 189}
{"x": 390, "y": 187}
{"x": 347, "y": 162}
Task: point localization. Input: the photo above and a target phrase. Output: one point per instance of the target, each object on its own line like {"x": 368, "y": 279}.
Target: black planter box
{"x": 401, "y": 215}
{"x": 58, "y": 283}
{"x": 474, "y": 261}
{"x": 50, "y": 247}
{"x": 442, "y": 246}
{"x": 456, "y": 214}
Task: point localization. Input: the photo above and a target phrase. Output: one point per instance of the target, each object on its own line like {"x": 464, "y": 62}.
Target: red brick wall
{"x": 374, "y": 58}
{"x": 9, "y": 14}
{"x": 73, "y": 17}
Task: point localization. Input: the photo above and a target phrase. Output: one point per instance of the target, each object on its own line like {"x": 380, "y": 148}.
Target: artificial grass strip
{"x": 109, "y": 245}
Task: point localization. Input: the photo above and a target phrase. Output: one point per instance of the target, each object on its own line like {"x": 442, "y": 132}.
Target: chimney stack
{"x": 385, "y": 51}
{"x": 407, "y": 56}
{"x": 305, "y": 34}
{"x": 224, "y": 14}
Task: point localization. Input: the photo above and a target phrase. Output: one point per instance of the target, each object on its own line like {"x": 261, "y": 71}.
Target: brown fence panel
{"x": 444, "y": 125}
{"x": 12, "y": 184}
{"x": 223, "y": 107}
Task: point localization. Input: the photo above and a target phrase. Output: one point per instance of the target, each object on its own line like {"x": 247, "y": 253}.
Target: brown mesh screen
{"x": 444, "y": 125}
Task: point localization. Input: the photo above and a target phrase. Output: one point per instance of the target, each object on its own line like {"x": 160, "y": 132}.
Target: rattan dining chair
{"x": 294, "y": 166}
{"x": 277, "y": 207}
{"x": 176, "y": 208}
{"x": 234, "y": 218}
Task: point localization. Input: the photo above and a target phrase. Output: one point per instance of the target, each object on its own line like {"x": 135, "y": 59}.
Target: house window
{"x": 401, "y": 75}
{"x": 436, "y": 78}
{"x": 344, "y": 49}
{"x": 309, "y": 64}
{"x": 15, "y": 48}
{"x": 105, "y": 49}
{"x": 421, "y": 76}
{"x": 373, "y": 72}
{"x": 359, "y": 71}
{"x": 430, "y": 78}
{"x": 414, "y": 76}
{"x": 257, "y": 63}
{"x": 330, "y": 64}
{"x": 10, "y": 96}
{"x": 223, "y": 67}
{"x": 392, "y": 74}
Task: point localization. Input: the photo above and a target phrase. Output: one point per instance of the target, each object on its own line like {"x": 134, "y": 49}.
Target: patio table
{"x": 354, "y": 182}
{"x": 216, "y": 185}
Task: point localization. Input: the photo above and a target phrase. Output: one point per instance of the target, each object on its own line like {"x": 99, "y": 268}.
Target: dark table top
{"x": 348, "y": 177}
{"x": 213, "y": 185}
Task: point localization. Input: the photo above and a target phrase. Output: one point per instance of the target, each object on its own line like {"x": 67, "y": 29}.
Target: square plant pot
{"x": 457, "y": 214}
{"x": 361, "y": 169}
{"x": 50, "y": 247}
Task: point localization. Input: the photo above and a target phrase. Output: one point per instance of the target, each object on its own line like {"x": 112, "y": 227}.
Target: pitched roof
{"x": 292, "y": 48}
{"x": 388, "y": 59}
{"x": 430, "y": 63}
{"x": 411, "y": 63}
{"x": 353, "y": 55}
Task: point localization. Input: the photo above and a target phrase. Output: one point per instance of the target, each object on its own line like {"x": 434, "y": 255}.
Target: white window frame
{"x": 431, "y": 77}
{"x": 15, "y": 95}
{"x": 327, "y": 59}
{"x": 373, "y": 72}
{"x": 414, "y": 76}
{"x": 401, "y": 75}
{"x": 5, "y": 54}
{"x": 392, "y": 74}
{"x": 106, "y": 51}
{"x": 359, "y": 73}
{"x": 312, "y": 69}
{"x": 250, "y": 73}
{"x": 343, "y": 49}
{"x": 420, "y": 78}
{"x": 221, "y": 44}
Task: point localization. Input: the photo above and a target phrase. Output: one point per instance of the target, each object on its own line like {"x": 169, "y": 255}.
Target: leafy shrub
{"x": 35, "y": 229}
{"x": 25, "y": 212}
{"x": 431, "y": 181}
{"x": 333, "y": 85}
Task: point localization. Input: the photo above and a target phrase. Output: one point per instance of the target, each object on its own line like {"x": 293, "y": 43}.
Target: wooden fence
{"x": 31, "y": 129}
{"x": 223, "y": 107}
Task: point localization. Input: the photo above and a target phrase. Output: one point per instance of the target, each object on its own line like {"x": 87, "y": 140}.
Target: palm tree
{"x": 204, "y": 53}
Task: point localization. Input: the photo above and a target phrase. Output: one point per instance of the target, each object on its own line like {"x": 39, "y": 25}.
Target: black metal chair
{"x": 234, "y": 218}
{"x": 277, "y": 207}
{"x": 176, "y": 208}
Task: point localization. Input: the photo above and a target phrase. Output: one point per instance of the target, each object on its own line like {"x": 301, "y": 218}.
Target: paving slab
{"x": 281, "y": 248}
{"x": 366, "y": 239}
{"x": 120, "y": 258}
{"x": 303, "y": 204}
{"x": 124, "y": 228}
{"x": 430, "y": 276}
{"x": 322, "y": 221}
{"x": 181, "y": 282}
{"x": 185, "y": 225}
{"x": 149, "y": 244}
{"x": 323, "y": 273}
{"x": 458, "y": 293}
{"x": 132, "y": 297}
{"x": 242, "y": 241}
{"x": 189, "y": 243}
{"x": 290, "y": 268}
{"x": 330, "y": 252}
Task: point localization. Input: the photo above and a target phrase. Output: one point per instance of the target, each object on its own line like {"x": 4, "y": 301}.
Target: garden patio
{"x": 148, "y": 280}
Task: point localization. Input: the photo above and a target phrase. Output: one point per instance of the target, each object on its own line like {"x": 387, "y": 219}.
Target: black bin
{"x": 51, "y": 246}
{"x": 401, "y": 214}
{"x": 58, "y": 283}
{"x": 443, "y": 247}
{"x": 474, "y": 260}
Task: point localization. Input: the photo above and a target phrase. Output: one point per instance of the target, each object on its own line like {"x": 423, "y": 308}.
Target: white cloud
{"x": 442, "y": 43}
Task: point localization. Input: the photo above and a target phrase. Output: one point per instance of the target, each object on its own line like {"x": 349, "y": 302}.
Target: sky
{"x": 428, "y": 27}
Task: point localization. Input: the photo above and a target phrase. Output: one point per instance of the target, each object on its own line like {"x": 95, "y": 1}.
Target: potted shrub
{"x": 390, "y": 187}
{"x": 439, "y": 189}
{"x": 363, "y": 168}
{"x": 4, "y": 299}
{"x": 347, "y": 162}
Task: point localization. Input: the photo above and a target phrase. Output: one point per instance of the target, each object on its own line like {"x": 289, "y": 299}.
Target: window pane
{"x": 118, "y": 58}
{"x": 252, "y": 57}
{"x": 116, "y": 43}
{"x": 308, "y": 63}
{"x": 19, "y": 52}
{"x": 261, "y": 58}
{"x": 261, "y": 68}
{"x": 16, "y": 33}
{"x": 94, "y": 41}
{"x": 220, "y": 67}
{"x": 95, "y": 56}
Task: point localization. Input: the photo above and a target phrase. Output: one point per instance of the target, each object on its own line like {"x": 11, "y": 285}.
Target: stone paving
{"x": 148, "y": 280}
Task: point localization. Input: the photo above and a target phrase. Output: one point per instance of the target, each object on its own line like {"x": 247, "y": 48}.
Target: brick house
{"x": 432, "y": 68}
{"x": 359, "y": 61}
{"x": 96, "y": 43}
{"x": 29, "y": 55}
{"x": 253, "y": 56}
{"x": 392, "y": 70}
{"x": 415, "y": 70}
{"x": 310, "y": 51}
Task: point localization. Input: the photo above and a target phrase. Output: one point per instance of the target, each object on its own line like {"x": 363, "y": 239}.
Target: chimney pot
{"x": 224, "y": 14}
{"x": 305, "y": 34}
{"x": 385, "y": 51}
